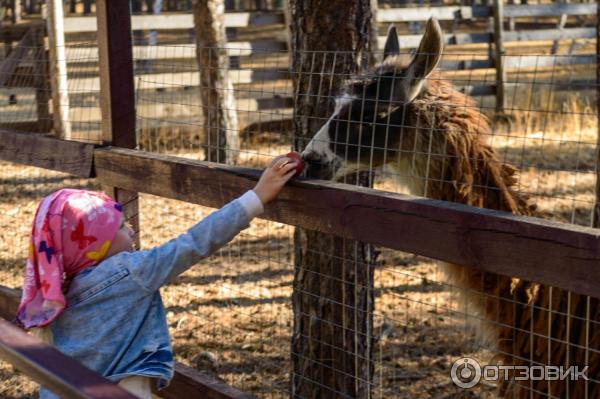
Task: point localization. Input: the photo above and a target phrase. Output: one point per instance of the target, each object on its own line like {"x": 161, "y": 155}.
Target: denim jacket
{"x": 114, "y": 321}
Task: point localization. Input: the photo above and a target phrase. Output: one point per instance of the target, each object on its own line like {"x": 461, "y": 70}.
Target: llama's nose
{"x": 310, "y": 156}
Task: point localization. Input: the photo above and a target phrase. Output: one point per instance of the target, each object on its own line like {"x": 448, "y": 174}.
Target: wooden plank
{"x": 498, "y": 16}
{"x": 117, "y": 98}
{"x": 9, "y": 302}
{"x": 187, "y": 382}
{"x": 43, "y": 90}
{"x": 33, "y": 149}
{"x": 32, "y": 126}
{"x": 548, "y": 10}
{"x": 488, "y": 240}
{"x": 412, "y": 41}
{"x": 448, "y": 13}
{"x": 14, "y": 32}
{"x": 49, "y": 367}
{"x": 79, "y": 55}
{"x": 177, "y": 21}
{"x": 191, "y": 383}
{"x": 9, "y": 65}
{"x": 596, "y": 209}
{"x": 538, "y": 61}
{"x": 116, "y": 73}
{"x": 478, "y": 90}
{"x": 185, "y": 79}
{"x": 550, "y": 34}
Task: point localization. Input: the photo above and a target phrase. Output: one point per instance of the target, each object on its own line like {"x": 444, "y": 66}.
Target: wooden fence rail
{"x": 187, "y": 382}
{"x": 49, "y": 367}
{"x": 528, "y": 248}
{"x": 184, "y": 76}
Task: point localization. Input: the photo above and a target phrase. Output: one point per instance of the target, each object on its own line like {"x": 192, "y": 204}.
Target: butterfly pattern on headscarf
{"x": 72, "y": 230}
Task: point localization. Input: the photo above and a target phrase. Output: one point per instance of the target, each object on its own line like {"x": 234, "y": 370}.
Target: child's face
{"x": 123, "y": 240}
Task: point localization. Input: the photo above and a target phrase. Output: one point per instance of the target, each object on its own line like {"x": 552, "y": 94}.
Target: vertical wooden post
{"x": 499, "y": 53}
{"x": 117, "y": 101}
{"x": 16, "y": 11}
{"x": 596, "y": 210}
{"x": 42, "y": 76}
{"x": 58, "y": 69}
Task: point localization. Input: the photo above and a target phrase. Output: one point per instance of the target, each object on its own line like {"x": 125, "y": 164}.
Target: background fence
{"x": 231, "y": 315}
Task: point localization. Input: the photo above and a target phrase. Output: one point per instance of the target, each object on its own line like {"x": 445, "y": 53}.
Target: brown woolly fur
{"x": 438, "y": 144}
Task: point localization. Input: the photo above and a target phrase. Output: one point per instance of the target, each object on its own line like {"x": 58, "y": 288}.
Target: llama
{"x": 403, "y": 115}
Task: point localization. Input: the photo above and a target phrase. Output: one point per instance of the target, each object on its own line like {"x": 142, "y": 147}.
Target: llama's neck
{"x": 476, "y": 178}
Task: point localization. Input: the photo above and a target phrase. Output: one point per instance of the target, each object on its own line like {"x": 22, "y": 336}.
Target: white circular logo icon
{"x": 466, "y": 372}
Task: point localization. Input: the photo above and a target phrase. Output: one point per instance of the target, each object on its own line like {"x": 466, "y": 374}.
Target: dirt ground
{"x": 230, "y": 315}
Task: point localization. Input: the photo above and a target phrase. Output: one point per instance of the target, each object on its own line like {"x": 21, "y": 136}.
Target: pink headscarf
{"x": 72, "y": 230}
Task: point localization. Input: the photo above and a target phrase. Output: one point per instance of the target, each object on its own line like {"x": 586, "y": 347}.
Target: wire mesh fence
{"x": 232, "y": 315}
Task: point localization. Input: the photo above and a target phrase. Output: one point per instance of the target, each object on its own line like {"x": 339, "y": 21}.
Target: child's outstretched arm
{"x": 157, "y": 266}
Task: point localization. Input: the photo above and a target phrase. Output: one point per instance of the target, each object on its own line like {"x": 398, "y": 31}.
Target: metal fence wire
{"x": 231, "y": 315}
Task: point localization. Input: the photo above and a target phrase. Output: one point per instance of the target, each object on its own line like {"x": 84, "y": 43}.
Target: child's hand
{"x": 280, "y": 170}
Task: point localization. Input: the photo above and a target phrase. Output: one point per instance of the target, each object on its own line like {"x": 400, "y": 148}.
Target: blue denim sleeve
{"x": 153, "y": 268}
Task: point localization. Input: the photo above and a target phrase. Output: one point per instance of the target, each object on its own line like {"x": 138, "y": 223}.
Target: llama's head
{"x": 358, "y": 133}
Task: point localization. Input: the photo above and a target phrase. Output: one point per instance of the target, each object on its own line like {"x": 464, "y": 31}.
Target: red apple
{"x": 299, "y": 162}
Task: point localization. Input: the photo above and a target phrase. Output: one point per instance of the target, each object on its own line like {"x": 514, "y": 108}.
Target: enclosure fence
{"x": 305, "y": 284}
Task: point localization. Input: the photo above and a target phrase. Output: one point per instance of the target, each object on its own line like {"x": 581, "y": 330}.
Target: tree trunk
{"x": 333, "y": 279}
{"x": 58, "y": 69}
{"x": 221, "y": 138}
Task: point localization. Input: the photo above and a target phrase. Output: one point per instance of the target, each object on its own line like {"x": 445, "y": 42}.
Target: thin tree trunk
{"x": 58, "y": 69}
{"x": 333, "y": 279}
{"x": 221, "y": 137}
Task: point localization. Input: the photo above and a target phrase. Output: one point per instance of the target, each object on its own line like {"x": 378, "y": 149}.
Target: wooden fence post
{"x": 498, "y": 10}
{"x": 42, "y": 76}
{"x": 58, "y": 69}
{"x": 16, "y": 11}
{"x": 596, "y": 210}
{"x": 117, "y": 101}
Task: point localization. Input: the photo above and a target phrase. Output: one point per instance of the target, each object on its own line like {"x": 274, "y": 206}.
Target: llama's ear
{"x": 392, "y": 46}
{"x": 426, "y": 58}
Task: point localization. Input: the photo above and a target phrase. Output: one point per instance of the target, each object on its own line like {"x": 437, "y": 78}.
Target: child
{"x": 100, "y": 299}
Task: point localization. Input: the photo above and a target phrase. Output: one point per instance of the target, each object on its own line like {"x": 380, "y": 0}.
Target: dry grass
{"x": 230, "y": 315}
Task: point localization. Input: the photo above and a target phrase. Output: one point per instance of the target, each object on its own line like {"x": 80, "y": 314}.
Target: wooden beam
{"x": 8, "y": 66}
{"x": 528, "y": 248}
{"x": 177, "y": 21}
{"x": 596, "y": 209}
{"x": 186, "y": 79}
{"x": 187, "y": 382}
{"x": 548, "y": 10}
{"x": 498, "y": 7}
{"x": 33, "y": 149}
{"x": 549, "y": 34}
{"x": 116, "y": 73}
{"x": 43, "y": 90}
{"x": 14, "y": 32}
{"x": 32, "y": 126}
{"x": 50, "y": 368}
{"x": 412, "y": 41}
{"x": 79, "y": 55}
{"x": 191, "y": 383}
{"x": 451, "y": 13}
{"x": 9, "y": 302}
{"x": 389, "y": 15}
{"x": 117, "y": 97}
